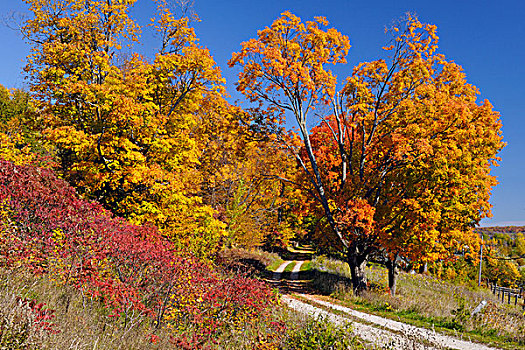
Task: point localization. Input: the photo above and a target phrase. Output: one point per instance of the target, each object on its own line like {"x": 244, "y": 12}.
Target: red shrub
{"x": 134, "y": 270}
{"x": 43, "y": 316}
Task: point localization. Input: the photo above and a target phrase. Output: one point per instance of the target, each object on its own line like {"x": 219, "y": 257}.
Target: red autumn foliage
{"x": 43, "y": 316}
{"x": 133, "y": 270}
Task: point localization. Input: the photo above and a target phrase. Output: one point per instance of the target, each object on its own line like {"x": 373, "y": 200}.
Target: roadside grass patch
{"x": 426, "y": 301}
{"x": 301, "y": 250}
{"x": 290, "y": 267}
{"x": 274, "y": 265}
{"x": 330, "y": 265}
{"x": 306, "y": 266}
{"x": 322, "y": 334}
{"x": 236, "y": 253}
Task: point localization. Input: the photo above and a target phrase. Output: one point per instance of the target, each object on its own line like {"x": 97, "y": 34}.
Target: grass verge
{"x": 425, "y": 301}
{"x": 306, "y": 266}
{"x": 290, "y": 267}
{"x": 274, "y": 265}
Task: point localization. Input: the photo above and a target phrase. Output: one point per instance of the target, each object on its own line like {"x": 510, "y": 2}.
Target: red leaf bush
{"x": 43, "y": 316}
{"x": 133, "y": 270}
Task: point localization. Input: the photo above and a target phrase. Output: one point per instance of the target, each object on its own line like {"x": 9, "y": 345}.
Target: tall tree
{"x": 418, "y": 149}
{"x": 400, "y": 166}
{"x": 124, "y": 127}
{"x": 151, "y": 139}
{"x": 242, "y": 166}
{"x": 284, "y": 70}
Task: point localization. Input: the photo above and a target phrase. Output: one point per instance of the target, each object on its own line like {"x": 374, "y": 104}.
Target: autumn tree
{"x": 258, "y": 207}
{"x": 400, "y": 165}
{"x": 241, "y": 166}
{"x": 11, "y": 133}
{"x": 418, "y": 149}
{"x": 153, "y": 140}
{"x": 20, "y": 132}
{"x": 284, "y": 71}
{"x": 520, "y": 247}
{"x": 123, "y": 125}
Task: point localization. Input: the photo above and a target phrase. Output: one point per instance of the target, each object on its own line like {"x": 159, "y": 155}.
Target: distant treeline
{"x": 500, "y": 229}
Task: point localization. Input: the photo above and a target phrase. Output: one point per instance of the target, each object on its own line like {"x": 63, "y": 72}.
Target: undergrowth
{"x": 37, "y": 313}
{"x": 426, "y": 301}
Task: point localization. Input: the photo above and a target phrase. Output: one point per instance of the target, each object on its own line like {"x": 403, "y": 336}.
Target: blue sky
{"x": 486, "y": 37}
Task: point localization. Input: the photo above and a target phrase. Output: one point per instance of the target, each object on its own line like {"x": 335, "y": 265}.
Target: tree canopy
{"x": 153, "y": 140}
{"x": 393, "y": 164}
{"x": 400, "y": 165}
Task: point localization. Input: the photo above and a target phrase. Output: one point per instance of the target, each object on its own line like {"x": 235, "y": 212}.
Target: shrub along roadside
{"x": 79, "y": 321}
{"x": 131, "y": 270}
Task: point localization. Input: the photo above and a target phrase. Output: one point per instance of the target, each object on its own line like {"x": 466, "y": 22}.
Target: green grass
{"x": 274, "y": 265}
{"x": 265, "y": 258}
{"x": 443, "y": 325}
{"x": 306, "y": 266}
{"x": 336, "y": 267}
{"x": 301, "y": 250}
{"x": 290, "y": 267}
{"x": 426, "y": 301}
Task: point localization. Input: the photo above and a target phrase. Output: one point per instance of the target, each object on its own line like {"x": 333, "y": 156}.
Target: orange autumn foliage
{"x": 417, "y": 147}
{"x": 400, "y": 166}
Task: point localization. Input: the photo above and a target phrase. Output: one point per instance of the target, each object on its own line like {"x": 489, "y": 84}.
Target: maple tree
{"x": 285, "y": 69}
{"x": 152, "y": 140}
{"x": 419, "y": 149}
{"x": 400, "y": 167}
{"x": 124, "y": 126}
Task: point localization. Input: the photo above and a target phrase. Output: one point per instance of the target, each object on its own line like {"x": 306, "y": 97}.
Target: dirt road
{"x": 384, "y": 332}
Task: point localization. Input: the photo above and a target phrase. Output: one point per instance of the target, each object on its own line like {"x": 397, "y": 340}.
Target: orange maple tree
{"x": 400, "y": 167}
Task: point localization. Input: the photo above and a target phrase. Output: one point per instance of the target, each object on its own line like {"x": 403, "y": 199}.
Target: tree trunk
{"x": 392, "y": 276}
{"x": 318, "y": 184}
{"x": 357, "y": 265}
{"x": 423, "y": 268}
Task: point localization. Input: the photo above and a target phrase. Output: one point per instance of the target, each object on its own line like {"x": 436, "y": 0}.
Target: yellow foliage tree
{"x": 243, "y": 168}
{"x": 151, "y": 139}
{"x": 123, "y": 126}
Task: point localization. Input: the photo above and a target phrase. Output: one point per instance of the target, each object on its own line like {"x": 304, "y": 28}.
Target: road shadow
{"x": 308, "y": 282}
{"x": 305, "y": 282}
{"x": 298, "y": 255}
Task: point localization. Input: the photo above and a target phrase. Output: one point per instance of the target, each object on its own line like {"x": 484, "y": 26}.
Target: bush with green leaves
{"x": 320, "y": 333}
